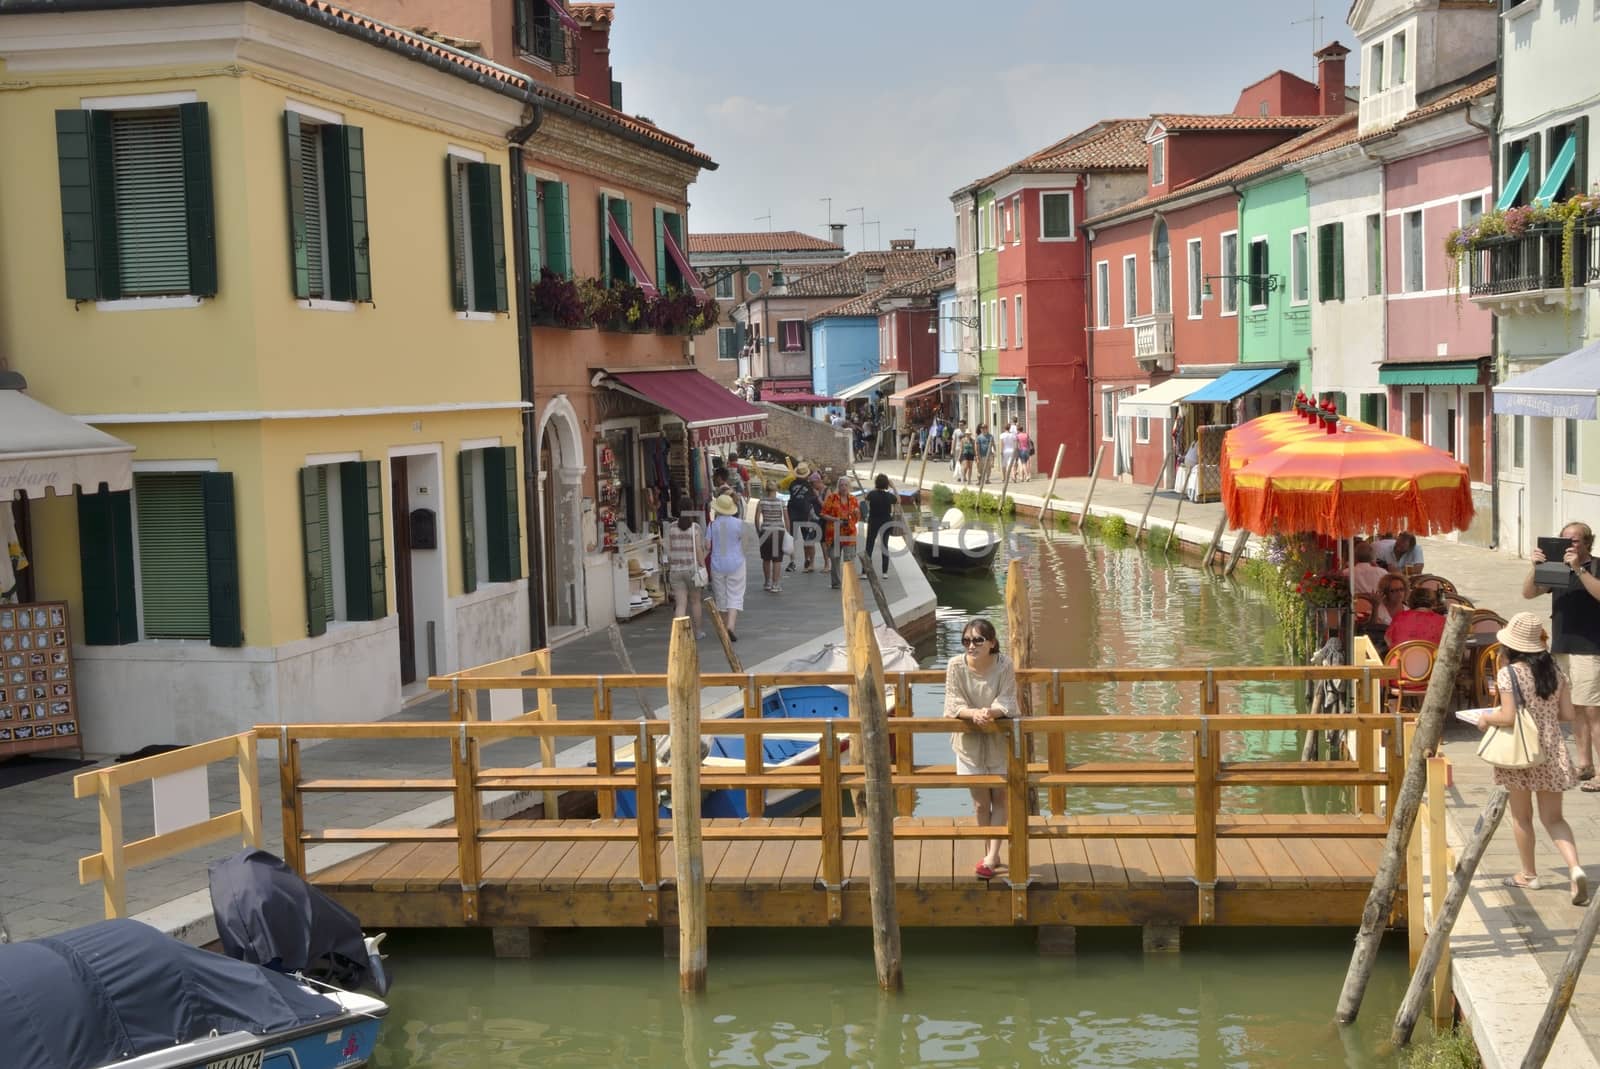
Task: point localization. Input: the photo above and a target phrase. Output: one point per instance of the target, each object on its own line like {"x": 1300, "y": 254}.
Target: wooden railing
{"x": 111, "y": 864}
{"x": 1203, "y": 770}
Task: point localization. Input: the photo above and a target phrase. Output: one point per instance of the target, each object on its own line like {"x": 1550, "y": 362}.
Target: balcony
{"x": 540, "y": 35}
{"x": 1387, "y": 107}
{"x": 1152, "y": 341}
{"x": 1518, "y": 274}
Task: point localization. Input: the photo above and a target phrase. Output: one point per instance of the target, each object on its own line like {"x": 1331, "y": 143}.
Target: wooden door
{"x": 400, "y": 495}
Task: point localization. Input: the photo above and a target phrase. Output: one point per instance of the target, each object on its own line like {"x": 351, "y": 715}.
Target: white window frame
{"x": 1399, "y": 65}
{"x": 1232, "y": 284}
{"x": 1260, "y": 239}
{"x": 1130, "y": 289}
{"x": 1141, "y": 423}
{"x": 1194, "y": 259}
{"x": 1016, "y": 219}
{"x": 1001, "y": 322}
{"x": 1016, "y": 322}
{"x": 1108, "y": 417}
{"x": 734, "y": 333}
{"x": 1376, "y": 67}
{"x": 1158, "y": 162}
{"x": 1374, "y": 252}
{"x": 1422, "y": 251}
{"x": 783, "y": 332}
{"x": 1102, "y": 301}
{"x": 724, "y": 282}
{"x": 1072, "y": 223}
{"x": 1461, "y": 208}
{"x": 1007, "y": 228}
{"x": 1300, "y": 273}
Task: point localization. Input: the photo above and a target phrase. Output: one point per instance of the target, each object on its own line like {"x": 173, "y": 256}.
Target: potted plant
{"x": 620, "y": 307}
{"x": 676, "y": 312}
{"x": 557, "y": 302}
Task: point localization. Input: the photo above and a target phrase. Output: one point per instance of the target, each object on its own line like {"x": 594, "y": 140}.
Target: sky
{"x": 889, "y": 106}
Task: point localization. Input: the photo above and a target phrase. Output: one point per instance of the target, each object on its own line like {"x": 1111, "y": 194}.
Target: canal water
{"x": 973, "y": 997}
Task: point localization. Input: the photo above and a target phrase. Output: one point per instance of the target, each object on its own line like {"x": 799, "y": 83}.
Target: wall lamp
{"x": 966, "y": 321}
{"x": 1269, "y": 283}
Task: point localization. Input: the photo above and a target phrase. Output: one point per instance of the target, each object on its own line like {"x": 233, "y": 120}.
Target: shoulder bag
{"x": 701, "y": 579}
{"x": 1518, "y": 745}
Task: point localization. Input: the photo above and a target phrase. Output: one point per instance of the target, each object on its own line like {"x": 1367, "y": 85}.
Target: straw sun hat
{"x": 723, "y": 505}
{"x": 1523, "y": 633}
{"x": 803, "y": 470}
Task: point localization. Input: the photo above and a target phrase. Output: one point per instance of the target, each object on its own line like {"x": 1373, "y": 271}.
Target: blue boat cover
{"x": 96, "y": 995}
{"x": 1565, "y": 388}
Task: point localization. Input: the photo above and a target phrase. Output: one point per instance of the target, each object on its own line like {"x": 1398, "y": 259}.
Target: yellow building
{"x": 270, "y": 249}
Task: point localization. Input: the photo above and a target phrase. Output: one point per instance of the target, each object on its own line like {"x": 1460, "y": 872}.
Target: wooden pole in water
{"x": 1444, "y": 916}
{"x": 1238, "y": 550}
{"x": 721, "y": 627}
{"x": 1216, "y": 540}
{"x": 614, "y": 633}
{"x": 1562, "y": 990}
{"x": 1094, "y": 478}
{"x": 877, "y": 441}
{"x": 1055, "y": 470}
{"x": 1019, "y": 642}
{"x": 1172, "y": 532}
{"x": 1005, "y": 485}
{"x": 866, "y": 662}
{"x": 850, "y": 592}
{"x": 1436, "y": 705}
{"x": 877, "y": 589}
{"x": 922, "y": 471}
{"x": 683, "y": 699}
{"x": 1138, "y": 532}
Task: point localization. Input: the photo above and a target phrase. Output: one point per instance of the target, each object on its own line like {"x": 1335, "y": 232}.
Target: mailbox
{"x": 424, "y": 529}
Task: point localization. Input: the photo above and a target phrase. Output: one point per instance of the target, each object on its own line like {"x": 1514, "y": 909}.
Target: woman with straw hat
{"x": 1530, "y": 679}
{"x": 726, "y": 535}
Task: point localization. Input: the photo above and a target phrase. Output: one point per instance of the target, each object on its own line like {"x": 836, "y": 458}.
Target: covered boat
{"x": 121, "y": 993}
{"x": 955, "y": 547}
{"x": 726, "y": 752}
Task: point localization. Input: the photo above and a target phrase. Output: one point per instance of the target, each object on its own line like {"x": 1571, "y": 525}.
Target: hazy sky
{"x": 890, "y": 105}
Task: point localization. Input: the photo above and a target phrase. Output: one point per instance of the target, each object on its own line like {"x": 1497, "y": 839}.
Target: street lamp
{"x": 966, "y": 321}
{"x": 1270, "y": 283}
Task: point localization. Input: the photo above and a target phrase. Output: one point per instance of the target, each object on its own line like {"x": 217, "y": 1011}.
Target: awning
{"x": 921, "y": 389}
{"x": 1560, "y": 167}
{"x": 635, "y": 265}
{"x": 1514, "y": 182}
{"x": 1005, "y": 388}
{"x": 865, "y": 386}
{"x": 45, "y": 450}
{"x": 1157, "y": 401}
{"x": 809, "y": 400}
{"x": 684, "y": 267}
{"x": 1234, "y": 385}
{"x": 714, "y": 414}
{"x": 1457, "y": 373}
{"x": 1565, "y": 388}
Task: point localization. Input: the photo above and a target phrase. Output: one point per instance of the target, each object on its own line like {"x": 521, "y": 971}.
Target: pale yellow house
{"x": 270, "y": 247}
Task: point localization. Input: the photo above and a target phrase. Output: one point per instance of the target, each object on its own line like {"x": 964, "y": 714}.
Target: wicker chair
{"x": 1484, "y": 671}
{"x": 1415, "y": 660}
{"x": 1485, "y": 622}
{"x": 1436, "y": 583}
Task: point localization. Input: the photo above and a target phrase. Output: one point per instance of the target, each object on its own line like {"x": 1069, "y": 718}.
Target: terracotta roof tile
{"x": 600, "y": 14}
{"x": 849, "y": 277}
{"x": 761, "y": 241}
{"x": 1110, "y": 144}
{"x": 1182, "y": 123}
{"x": 867, "y": 303}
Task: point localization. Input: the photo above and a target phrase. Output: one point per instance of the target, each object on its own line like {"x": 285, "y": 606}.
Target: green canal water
{"x": 973, "y": 997}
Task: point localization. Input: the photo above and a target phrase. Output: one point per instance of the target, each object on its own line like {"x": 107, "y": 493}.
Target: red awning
{"x": 684, "y": 267}
{"x": 713, "y": 413}
{"x": 635, "y": 265}
{"x": 797, "y": 397}
{"x": 925, "y": 387}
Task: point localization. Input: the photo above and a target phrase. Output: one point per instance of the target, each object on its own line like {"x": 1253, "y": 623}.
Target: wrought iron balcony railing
{"x": 1532, "y": 261}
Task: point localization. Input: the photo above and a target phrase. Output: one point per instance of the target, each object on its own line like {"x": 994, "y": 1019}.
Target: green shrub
{"x": 943, "y": 497}
{"x": 1063, "y": 519}
{"x": 1447, "y": 1050}
{"x": 967, "y": 500}
{"x": 1114, "y": 529}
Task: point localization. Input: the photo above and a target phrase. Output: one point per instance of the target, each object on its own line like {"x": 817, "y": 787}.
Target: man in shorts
{"x": 1575, "y": 619}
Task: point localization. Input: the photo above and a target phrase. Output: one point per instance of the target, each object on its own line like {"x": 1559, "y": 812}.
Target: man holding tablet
{"x": 1575, "y": 619}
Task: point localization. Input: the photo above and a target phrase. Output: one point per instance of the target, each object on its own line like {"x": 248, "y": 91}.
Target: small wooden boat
{"x": 955, "y": 547}
{"x": 781, "y": 750}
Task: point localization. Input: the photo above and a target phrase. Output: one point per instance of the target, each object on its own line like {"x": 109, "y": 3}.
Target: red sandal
{"x": 984, "y": 871}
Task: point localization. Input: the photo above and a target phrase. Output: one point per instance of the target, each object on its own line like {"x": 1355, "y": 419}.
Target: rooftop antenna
{"x": 768, "y": 218}
{"x": 877, "y": 231}
{"x": 1316, "y": 33}
{"x": 862, "y": 222}
{"x": 913, "y": 232}
{"x": 829, "y": 202}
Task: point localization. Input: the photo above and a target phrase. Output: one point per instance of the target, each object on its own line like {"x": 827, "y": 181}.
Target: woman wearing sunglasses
{"x": 980, "y": 687}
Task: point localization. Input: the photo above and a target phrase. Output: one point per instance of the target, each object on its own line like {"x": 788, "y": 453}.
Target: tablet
{"x": 1472, "y": 716}
{"x": 1555, "y": 549}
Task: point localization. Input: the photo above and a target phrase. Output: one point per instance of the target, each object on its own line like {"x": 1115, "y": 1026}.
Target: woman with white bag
{"x": 1531, "y": 685}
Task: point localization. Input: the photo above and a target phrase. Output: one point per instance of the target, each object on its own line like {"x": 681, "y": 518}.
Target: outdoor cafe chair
{"x": 1485, "y": 669}
{"x": 1415, "y": 660}
{"x": 1363, "y": 605}
{"x": 1449, "y": 598}
{"x": 1485, "y": 622}
{"x": 1436, "y": 583}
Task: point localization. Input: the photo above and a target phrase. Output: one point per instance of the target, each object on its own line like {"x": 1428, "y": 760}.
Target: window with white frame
{"x": 1016, "y": 220}
{"x": 1196, "y": 286}
{"x": 961, "y": 236}
{"x": 1230, "y": 266}
{"x": 1141, "y": 422}
{"x": 1007, "y": 233}
{"x": 724, "y": 291}
{"x": 174, "y": 597}
{"x": 1161, "y": 270}
{"x": 1411, "y": 252}
{"x": 1299, "y": 268}
{"x": 1102, "y": 294}
{"x": 1055, "y": 216}
{"x": 727, "y": 343}
{"x": 1108, "y": 413}
{"x": 791, "y": 335}
{"x": 1016, "y": 321}
{"x": 1397, "y": 59}
{"x": 1375, "y": 69}
{"x": 1158, "y": 162}
{"x": 1002, "y": 323}
{"x": 1130, "y": 289}
{"x": 1259, "y": 268}
{"x": 1470, "y": 210}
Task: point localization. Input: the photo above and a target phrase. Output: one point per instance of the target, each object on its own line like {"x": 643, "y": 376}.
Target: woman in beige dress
{"x": 980, "y": 687}
{"x": 1531, "y": 677}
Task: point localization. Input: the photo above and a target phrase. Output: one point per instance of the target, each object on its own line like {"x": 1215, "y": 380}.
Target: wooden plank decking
{"x": 1105, "y": 870}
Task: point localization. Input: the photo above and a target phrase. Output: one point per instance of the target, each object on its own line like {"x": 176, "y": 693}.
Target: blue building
{"x": 844, "y": 351}
{"x": 949, "y": 332}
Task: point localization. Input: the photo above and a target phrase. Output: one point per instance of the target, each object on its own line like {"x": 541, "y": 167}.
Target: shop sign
{"x": 727, "y": 433}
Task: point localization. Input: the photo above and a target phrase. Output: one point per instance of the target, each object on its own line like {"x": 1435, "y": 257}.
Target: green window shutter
{"x": 1580, "y": 164}
{"x": 1338, "y": 261}
{"x": 661, "y": 249}
{"x": 80, "y": 206}
{"x": 105, "y": 560}
{"x": 325, "y": 546}
{"x": 500, "y": 514}
{"x": 487, "y": 216}
{"x": 674, "y": 222}
{"x": 454, "y": 196}
{"x": 520, "y": 29}
{"x": 149, "y": 190}
{"x": 605, "y": 240}
{"x": 1324, "y": 263}
{"x": 108, "y": 230}
{"x": 299, "y": 267}
{"x": 173, "y": 556}
{"x": 530, "y": 195}
{"x": 361, "y": 488}
{"x": 199, "y": 210}
{"x": 314, "y": 534}
{"x": 345, "y": 179}
{"x": 557, "y": 229}
{"x": 222, "y": 558}
{"x": 469, "y": 530}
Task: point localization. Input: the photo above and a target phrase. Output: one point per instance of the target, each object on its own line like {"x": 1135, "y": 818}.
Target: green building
{"x": 1275, "y": 296}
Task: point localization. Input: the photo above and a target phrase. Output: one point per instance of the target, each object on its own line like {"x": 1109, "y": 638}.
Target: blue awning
{"x": 1234, "y": 385}
{"x": 1565, "y": 388}
{"x": 1005, "y": 388}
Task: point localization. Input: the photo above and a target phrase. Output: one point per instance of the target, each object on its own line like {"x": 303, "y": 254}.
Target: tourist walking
{"x": 840, "y": 512}
{"x": 985, "y": 443}
{"x": 969, "y": 453}
{"x": 1008, "y": 451}
{"x": 880, "y": 513}
{"x": 804, "y": 513}
{"x": 686, "y": 550}
{"x": 980, "y": 687}
{"x": 1530, "y": 680}
{"x": 1024, "y": 453}
{"x": 726, "y": 535}
{"x": 1575, "y": 640}
{"x": 772, "y": 524}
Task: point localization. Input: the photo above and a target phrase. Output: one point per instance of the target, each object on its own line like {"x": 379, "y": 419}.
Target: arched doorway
{"x": 560, "y": 490}
{"x": 1161, "y": 269}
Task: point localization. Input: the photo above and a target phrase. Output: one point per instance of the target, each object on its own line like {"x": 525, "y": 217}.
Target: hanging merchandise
{"x": 608, "y": 496}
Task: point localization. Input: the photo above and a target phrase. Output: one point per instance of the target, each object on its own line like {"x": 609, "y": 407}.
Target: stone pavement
{"x": 44, "y": 830}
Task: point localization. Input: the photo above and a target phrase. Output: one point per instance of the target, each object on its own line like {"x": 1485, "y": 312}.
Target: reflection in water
{"x": 791, "y": 998}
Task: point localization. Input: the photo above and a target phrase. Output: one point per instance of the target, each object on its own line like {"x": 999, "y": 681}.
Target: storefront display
{"x": 38, "y": 694}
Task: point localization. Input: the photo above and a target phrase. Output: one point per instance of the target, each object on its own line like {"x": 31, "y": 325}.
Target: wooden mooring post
{"x": 1149, "y": 502}
{"x": 1445, "y": 909}
{"x": 1436, "y": 705}
{"x": 876, "y": 585}
{"x": 1019, "y": 642}
{"x": 683, "y": 700}
{"x": 866, "y": 663}
{"x": 1172, "y": 532}
{"x": 1055, "y": 471}
{"x": 1216, "y": 540}
{"x": 1094, "y": 480}
{"x": 721, "y": 627}
{"x": 1561, "y": 991}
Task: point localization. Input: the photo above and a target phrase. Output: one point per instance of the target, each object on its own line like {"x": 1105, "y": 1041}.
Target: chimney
{"x": 1330, "y": 79}
{"x": 836, "y": 234}
{"x": 902, "y": 244}
{"x": 872, "y": 276}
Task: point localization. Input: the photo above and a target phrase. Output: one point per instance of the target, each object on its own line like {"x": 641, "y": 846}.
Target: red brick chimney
{"x": 593, "y": 46}
{"x": 1330, "y": 78}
